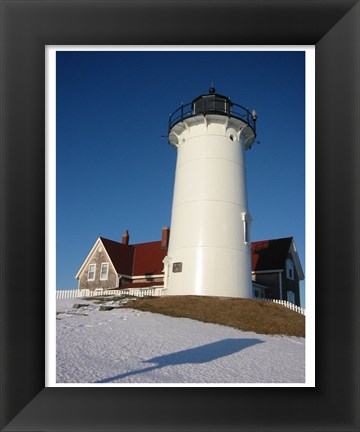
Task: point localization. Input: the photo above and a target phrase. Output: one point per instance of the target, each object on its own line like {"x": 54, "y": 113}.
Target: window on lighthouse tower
{"x": 246, "y": 219}
{"x": 246, "y": 232}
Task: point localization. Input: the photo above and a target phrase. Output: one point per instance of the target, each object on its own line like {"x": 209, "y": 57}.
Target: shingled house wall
{"x": 99, "y": 256}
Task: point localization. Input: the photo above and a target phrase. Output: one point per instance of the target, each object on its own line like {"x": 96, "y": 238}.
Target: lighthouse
{"x": 209, "y": 248}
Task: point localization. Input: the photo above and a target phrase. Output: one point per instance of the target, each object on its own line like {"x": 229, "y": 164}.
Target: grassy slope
{"x": 248, "y": 315}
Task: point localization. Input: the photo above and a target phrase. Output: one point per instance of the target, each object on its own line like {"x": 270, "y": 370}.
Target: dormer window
{"x": 289, "y": 269}
{"x": 104, "y": 271}
{"x": 91, "y": 273}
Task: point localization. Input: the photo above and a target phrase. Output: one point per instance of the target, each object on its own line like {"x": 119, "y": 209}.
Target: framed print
{"x": 27, "y": 28}
{"x": 117, "y": 112}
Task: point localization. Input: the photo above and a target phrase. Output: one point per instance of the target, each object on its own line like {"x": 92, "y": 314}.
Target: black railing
{"x": 212, "y": 106}
{"x": 183, "y": 112}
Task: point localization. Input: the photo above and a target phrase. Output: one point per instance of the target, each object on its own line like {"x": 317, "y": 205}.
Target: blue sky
{"x": 115, "y": 171}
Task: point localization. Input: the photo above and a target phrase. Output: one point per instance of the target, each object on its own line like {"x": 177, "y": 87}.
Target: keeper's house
{"x": 276, "y": 267}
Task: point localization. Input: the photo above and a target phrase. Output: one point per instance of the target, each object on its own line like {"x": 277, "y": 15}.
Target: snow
{"x": 130, "y": 346}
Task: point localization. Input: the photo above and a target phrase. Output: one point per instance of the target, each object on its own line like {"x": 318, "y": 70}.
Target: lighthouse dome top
{"x": 212, "y": 105}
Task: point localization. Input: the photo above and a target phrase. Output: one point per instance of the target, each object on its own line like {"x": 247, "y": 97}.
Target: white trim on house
{"x": 266, "y": 271}
{"x": 144, "y": 276}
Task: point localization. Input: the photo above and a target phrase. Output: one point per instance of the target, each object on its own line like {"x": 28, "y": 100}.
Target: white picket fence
{"x": 287, "y": 304}
{"x": 137, "y": 292}
{"x": 66, "y": 294}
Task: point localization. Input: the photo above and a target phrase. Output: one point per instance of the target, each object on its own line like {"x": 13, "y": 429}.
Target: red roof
{"x": 270, "y": 254}
{"x": 121, "y": 255}
{"x": 146, "y": 258}
{"x": 136, "y": 260}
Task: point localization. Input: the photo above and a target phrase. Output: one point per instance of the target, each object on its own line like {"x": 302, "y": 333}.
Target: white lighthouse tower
{"x": 209, "y": 249}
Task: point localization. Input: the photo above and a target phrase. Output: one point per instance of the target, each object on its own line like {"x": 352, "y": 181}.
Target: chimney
{"x": 165, "y": 237}
{"x": 125, "y": 238}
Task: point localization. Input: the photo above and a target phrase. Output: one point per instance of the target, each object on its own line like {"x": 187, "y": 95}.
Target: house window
{"x": 104, "y": 271}
{"x": 289, "y": 269}
{"x": 91, "y": 273}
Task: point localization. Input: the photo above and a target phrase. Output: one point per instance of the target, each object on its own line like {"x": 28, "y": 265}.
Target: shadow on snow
{"x": 202, "y": 354}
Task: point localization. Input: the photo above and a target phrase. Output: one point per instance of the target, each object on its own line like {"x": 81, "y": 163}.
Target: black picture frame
{"x": 26, "y": 27}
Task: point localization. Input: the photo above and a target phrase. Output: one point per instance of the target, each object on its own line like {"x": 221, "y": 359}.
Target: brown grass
{"x": 248, "y": 315}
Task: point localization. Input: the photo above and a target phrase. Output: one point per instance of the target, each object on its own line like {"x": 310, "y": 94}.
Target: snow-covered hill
{"x": 129, "y": 346}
